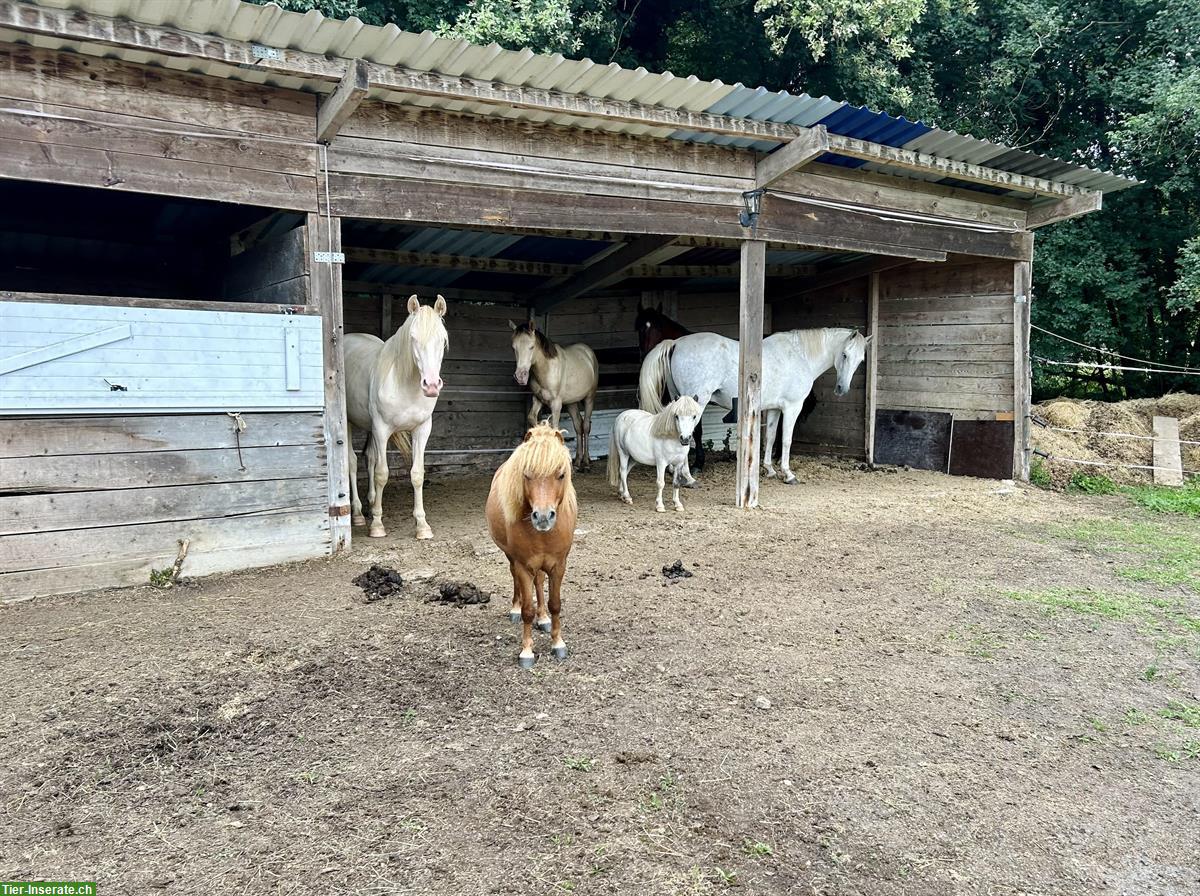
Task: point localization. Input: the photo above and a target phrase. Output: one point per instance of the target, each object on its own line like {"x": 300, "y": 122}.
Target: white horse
{"x": 391, "y": 390}
{"x": 661, "y": 439}
{"x": 706, "y": 365}
{"x": 558, "y": 375}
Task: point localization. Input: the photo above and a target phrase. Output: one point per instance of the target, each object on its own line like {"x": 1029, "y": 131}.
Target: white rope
{"x": 1120, "y": 435}
{"x": 1104, "y": 365}
{"x": 1097, "y": 463}
{"x": 1106, "y": 351}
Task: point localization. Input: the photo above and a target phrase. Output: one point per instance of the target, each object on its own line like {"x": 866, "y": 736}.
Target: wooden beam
{"x": 872, "y": 365}
{"x": 386, "y": 302}
{"x": 1071, "y": 207}
{"x": 732, "y": 271}
{"x": 340, "y": 105}
{"x": 451, "y": 293}
{"x": 844, "y": 273}
{"x": 607, "y": 270}
{"x": 249, "y": 237}
{"x": 77, "y": 25}
{"x": 791, "y": 156}
{"x": 401, "y": 258}
{"x": 325, "y": 235}
{"x": 750, "y": 342}
{"x": 1022, "y": 368}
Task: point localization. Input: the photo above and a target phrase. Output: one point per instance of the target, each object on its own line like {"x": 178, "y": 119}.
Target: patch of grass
{"x": 1038, "y": 474}
{"x": 1098, "y": 725}
{"x": 579, "y": 763}
{"x": 1183, "y": 499}
{"x": 757, "y": 848}
{"x": 562, "y": 839}
{"x": 728, "y": 878}
{"x": 1150, "y": 673}
{"x": 1166, "y": 753}
{"x": 1167, "y": 555}
{"x": 1182, "y": 711}
{"x": 162, "y": 578}
{"x": 654, "y": 802}
{"x": 1135, "y": 718}
{"x": 1091, "y": 483}
{"x": 1087, "y": 602}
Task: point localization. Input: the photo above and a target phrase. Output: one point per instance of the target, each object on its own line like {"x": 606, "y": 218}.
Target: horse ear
{"x": 562, "y": 435}
{"x": 696, "y": 398}
{"x": 413, "y": 303}
{"x": 512, "y": 326}
{"x": 440, "y": 306}
{"x": 528, "y": 435}
{"x": 869, "y": 339}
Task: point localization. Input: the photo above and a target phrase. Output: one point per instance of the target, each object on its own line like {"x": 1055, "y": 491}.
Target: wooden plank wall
{"x": 837, "y": 425}
{"x": 82, "y": 120}
{"x": 95, "y": 502}
{"x": 946, "y": 339}
{"x": 275, "y": 271}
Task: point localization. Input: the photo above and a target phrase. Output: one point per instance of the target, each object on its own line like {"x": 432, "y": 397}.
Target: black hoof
{"x": 693, "y": 484}
{"x": 514, "y": 617}
{"x": 559, "y": 653}
{"x": 526, "y": 662}
{"x": 544, "y": 626}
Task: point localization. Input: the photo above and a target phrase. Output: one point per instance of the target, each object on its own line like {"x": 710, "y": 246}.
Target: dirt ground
{"x": 882, "y": 683}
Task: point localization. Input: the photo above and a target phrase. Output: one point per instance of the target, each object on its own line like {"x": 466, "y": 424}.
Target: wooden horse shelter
{"x": 200, "y": 197}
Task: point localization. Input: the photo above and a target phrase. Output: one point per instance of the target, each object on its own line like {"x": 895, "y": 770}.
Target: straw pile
{"x": 1095, "y": 418}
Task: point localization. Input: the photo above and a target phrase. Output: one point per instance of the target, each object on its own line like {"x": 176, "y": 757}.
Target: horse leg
{"x": 581, "y": 452}
{"x": 558, "y": 647}
{"x": 420, "y": 437}
{"x": 539, "y": 594}
{"x": 790, "y": 413}
{"x": 769, "y": 443}
{"x": 586, "y": 439}
{"x": 524, "y": 585}
{"x": 555, "y": 412}
{"x": 699, "y": 434}
{"x": 535, "y": 408}
{"x": 357, "y": 518}
{"x": 675, "y": 480}
{"x": 625, "y": 496}
{"x": 660, "y": 467}
{"x": 514, "y": 612}
{"x": 377, "y": 454}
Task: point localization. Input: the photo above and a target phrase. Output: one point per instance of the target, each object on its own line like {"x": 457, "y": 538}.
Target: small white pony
{"x": 660, "y": 439}
{"x": 391, "y": 390}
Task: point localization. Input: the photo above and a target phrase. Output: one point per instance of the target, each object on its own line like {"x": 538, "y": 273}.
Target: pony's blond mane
{"x": 812, "y": 343}
{"x": 426, "y": 324}
{"x": 663, "y": 424}
{"x": 541, "y": 454}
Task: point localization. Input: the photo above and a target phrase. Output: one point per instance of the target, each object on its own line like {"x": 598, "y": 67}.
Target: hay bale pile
{"x": 1098, "y": 417}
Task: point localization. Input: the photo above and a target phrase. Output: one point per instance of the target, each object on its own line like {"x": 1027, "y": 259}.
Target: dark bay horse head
{"x": 652, "y": 327}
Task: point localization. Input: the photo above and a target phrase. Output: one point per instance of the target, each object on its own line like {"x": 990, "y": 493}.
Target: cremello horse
{"x": 558, "y": 375}
{"x": 391, "y": 390}
{"x": 706, "y": 365}
{"x": 660, "y": 439}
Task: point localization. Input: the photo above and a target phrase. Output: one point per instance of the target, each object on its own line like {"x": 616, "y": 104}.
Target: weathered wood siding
{"x": 837, "y": 424}
{"x": 95, "y": 502}
{"x": 87, "y": 358}
{"x": 72, "y": 118}
{"x": 946, "y": 339}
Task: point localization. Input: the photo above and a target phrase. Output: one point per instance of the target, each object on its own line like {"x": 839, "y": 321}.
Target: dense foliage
{"x": 1109, "y": 83}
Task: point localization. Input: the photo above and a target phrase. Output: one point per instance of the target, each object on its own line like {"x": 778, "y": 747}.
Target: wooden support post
{"x": 1064, "y": 209}
{"x": 325, "y": 235}
{"x": 346, "y": 97}
{"x": 872, "y": 364}
{"x": 1022, "y": 371}
{"x": 791, "y": 156}
{"x": 750, "y": 340}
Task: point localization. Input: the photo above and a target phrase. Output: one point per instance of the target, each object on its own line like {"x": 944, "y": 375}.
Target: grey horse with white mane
{"x": 706, "y": 365}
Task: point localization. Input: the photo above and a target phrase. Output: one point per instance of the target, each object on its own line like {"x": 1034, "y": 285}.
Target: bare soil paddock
{"x": 882, "y": 683}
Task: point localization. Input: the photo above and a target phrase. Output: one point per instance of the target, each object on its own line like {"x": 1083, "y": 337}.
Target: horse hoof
{"x": 358, "y": 521}
{"x": 628, "y": 501}
{"x": 543, "y": 625}
{"x": 514, "y": 616}
{"x": 424, "y": 534}
{"x": 791, "y": 480}
{"x": 559, "y": 653}
{"x": 693, "y": 484}
{"x": 769, "y": 474}
{"x": 377, "y": 532}
{"x": 660, "y": 509}
{"x": 526, "y": 662}
{"x": 679, "y": 507}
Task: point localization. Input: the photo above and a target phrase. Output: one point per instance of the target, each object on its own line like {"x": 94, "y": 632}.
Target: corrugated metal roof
{"x": 388, "y": 45}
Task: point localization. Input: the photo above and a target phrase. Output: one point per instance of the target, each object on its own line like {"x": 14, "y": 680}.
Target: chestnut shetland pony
{"x": 531, "y": 511}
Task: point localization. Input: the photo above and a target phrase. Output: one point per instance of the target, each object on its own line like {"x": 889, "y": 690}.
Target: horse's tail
{"x": 656, "y": 370}
{"x": 614, "y": 458}
{"x": 403, "y": 443}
